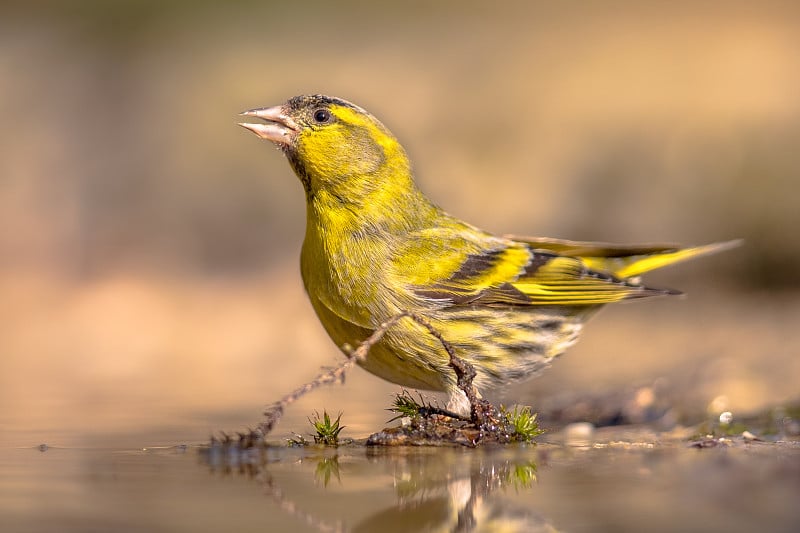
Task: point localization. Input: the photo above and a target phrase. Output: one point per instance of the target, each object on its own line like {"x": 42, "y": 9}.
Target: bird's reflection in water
{"x": 435, "y": 489}
{"x": 455, "y": 490}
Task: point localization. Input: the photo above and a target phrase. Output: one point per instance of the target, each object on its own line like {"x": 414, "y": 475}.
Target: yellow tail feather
{"x": 635, "y": 265}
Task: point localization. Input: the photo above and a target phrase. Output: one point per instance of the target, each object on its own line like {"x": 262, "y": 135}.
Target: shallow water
{"x": 617, "y": 486}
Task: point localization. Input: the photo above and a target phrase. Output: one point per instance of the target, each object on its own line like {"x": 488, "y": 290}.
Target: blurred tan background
{"x": 149, "y": 289}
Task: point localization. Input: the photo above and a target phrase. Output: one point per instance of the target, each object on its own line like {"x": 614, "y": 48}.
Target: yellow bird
{"x": 376, "y": 247}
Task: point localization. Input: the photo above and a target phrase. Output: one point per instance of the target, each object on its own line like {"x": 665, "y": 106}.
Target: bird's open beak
{"x": 279, "y": 127}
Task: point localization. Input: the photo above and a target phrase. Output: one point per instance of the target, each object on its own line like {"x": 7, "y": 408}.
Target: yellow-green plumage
{"x": 375, "y": 246}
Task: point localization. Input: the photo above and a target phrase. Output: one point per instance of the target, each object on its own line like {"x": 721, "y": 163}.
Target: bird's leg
{"x": 481, "y": 411}
{"x": 465, "y": 372}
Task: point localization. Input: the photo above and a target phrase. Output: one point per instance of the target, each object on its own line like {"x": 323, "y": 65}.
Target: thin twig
{"x": 274, "y": 412}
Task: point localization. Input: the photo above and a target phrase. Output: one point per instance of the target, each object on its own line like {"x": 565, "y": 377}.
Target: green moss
{"x": 326, "y": 430}
{"x": 406, "y": 406}
{"x": 521, "y": 423}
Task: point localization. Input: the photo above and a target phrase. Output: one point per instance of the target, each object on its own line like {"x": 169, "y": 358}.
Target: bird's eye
{"x": 322, "y": 116}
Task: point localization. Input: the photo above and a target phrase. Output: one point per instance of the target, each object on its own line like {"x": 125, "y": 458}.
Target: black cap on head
{"x": 317, "y": 100}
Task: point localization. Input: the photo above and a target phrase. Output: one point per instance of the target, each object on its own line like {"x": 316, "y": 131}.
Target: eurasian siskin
{"x": 376, "y": 247}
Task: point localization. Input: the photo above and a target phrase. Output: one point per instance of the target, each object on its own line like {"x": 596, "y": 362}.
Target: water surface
{"x": 615, "y": 486}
